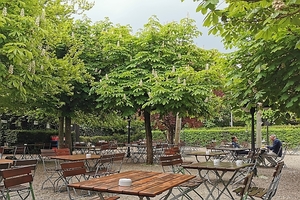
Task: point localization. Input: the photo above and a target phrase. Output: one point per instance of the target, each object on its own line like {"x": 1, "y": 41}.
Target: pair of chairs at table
{"x": 77, "y": 170}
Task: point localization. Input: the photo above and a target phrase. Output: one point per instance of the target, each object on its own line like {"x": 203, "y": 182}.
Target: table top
{"x": 76, "y": 157}
{"x": 202, "y": 153}
{"x": 144, "y": 183}
{"x": 6, "y": 161}
{"x": 223, "y": 166}
{"x": 230, "y": 149}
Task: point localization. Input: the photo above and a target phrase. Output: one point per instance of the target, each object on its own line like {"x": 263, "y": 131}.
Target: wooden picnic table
{"x": 145, "y": 184}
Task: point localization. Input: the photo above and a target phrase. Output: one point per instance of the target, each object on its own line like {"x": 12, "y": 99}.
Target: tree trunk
{"x": 61, "y": 132}
{"x": 76, "y": 129}
{"x": 148, "y": 138}
{"x": 177, "y": 130}
{"x": 68, "y": 138}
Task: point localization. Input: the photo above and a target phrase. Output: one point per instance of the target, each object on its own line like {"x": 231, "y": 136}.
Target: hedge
{"x": 200, "y": 136}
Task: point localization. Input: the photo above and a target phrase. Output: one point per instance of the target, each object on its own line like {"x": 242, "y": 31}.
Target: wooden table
{"x": 233, "y": 152}
{"x": 6, "y": 161}
{"x": 219, "y": 170}
{"x": 145, "y": 184}
{"x": 206, "y": 155}
{"x": 79, "y": 157}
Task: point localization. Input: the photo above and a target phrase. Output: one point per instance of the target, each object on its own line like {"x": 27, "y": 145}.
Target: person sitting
{"x": 275, "y": 150}
{"x": 235, "y": 144}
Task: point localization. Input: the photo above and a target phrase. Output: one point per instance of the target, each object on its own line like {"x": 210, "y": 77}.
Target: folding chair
{"x": 251, "y": 158}
{"x": 103, "y": 167}
{"x": 243, "y": 191}
{"x": 21, "y": 152}
{"x": 117, "y": 162}
{"x": 62, "y": 152}
{"x": 274, "y": 160}
{"x": 51, "y": 168}
{"x": 32, "y": 163}
{"x": 267, "y": 193}
{"x": 173, "y": 164}
{"x": 18, "y": 181}
{"x": 76, "y": 171}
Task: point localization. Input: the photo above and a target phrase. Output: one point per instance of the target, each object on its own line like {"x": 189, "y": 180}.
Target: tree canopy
{"x": 265, "y": 66}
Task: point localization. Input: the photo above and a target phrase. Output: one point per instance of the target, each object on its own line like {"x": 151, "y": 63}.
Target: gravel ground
{"x": 288, "y": 187}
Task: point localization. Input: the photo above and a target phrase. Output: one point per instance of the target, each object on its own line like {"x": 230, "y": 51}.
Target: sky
{"x": 137, "y": 12}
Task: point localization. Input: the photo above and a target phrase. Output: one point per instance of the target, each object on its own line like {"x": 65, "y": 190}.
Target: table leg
{"x": 224, "y": 184}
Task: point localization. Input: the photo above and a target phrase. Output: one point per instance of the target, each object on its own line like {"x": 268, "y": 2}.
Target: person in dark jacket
{"x": 276, "y": 149}
{"x": 235, "y": 144}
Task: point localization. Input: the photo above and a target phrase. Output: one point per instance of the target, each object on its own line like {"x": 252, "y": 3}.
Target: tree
{"x": 157, "y": 74}
{"x": 265, "y": 67}
{"x": 39, "y": 58}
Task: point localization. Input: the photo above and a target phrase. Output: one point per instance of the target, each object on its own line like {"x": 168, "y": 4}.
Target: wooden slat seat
{"x": 266, "y": 193}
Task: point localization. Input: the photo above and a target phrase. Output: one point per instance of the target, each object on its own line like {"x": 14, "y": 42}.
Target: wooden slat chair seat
{"x": 19, "y": 182}
{"x": 76, "y": 171}
{"x": 173, "y": 164}
{"x": 267, "y": 193}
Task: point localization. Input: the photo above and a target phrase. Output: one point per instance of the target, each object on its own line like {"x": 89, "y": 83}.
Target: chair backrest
{"x": 247, "y": 183}
{"x": 73, "y": 168}
{"x": 275, "y": 181}
{"x": 62, "y": 152}
{"x": 4, "y": 166}
{"x": 47, "y": 152}
{"x": 171, "y": 163}
{"x": 16, "y": 176}
{"x": 117, "y": 162}
{"x": 71, "y": 171}
{"x": 172, "y": 151}
{"x": 32, "y": 164}
{"x": 105, "y": 165}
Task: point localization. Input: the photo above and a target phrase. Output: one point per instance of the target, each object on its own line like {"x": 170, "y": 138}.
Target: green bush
{"x": 27, "y": 136}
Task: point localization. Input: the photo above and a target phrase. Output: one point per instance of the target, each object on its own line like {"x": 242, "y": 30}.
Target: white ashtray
{"x": 216, "y": 161}
{"x": 239, "y": 162}
{"x": 88, "y": 155}
{"x": 125, "y": 182}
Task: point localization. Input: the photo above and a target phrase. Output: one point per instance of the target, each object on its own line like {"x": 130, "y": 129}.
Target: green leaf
{"x": 297, "y": 46}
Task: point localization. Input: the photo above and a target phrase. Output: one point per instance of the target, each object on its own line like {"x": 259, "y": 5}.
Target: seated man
{"x": 234, "y": 143}
{"x": 274, "y": 151}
